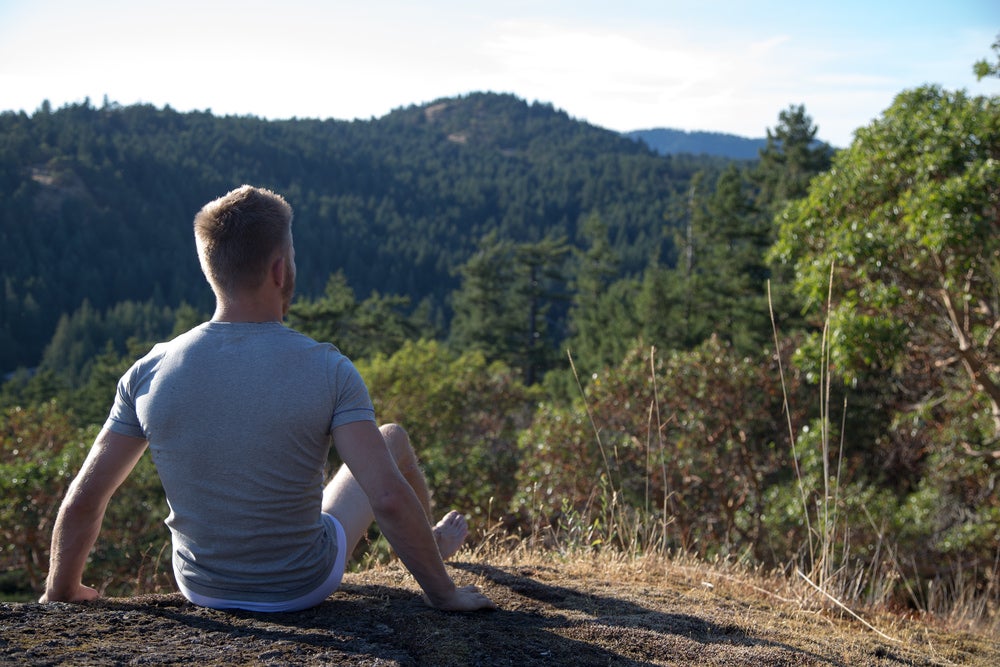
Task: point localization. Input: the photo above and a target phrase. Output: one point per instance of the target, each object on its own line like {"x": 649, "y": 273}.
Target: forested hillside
{"x": 96, "y": 203}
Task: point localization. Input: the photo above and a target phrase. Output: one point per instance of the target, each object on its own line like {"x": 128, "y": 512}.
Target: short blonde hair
{"x": 238, "y": 233}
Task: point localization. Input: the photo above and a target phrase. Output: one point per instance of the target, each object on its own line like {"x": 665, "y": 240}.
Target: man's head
{"x": 239, "y": 237}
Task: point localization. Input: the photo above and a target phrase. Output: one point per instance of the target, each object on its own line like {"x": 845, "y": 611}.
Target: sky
{"x": 708, "y": 65}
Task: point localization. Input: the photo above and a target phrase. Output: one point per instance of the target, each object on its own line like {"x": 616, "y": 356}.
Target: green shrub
{"x": 463, "y": 416}
{"x": 689, "y": 437}
{"x": 40, "y": 453}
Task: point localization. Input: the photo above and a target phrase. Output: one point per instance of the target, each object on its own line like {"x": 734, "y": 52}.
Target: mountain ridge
{"x": 667, "y": 141}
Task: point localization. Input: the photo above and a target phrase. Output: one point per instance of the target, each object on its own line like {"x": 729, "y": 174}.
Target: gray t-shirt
{"x": 238, "y": 418}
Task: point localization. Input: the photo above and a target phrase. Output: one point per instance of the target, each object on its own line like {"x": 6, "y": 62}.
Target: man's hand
{"x": 81, "y": 594}
{"x": 465, "y": 598}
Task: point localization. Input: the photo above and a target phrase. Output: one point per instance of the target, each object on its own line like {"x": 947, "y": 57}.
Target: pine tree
{"x": 602, "y": 318}
{"x": 791, "y": 158}
{"x": 718, "y": 285}
{"x": 733, "y": 267}
{"x": 503, "y": 307}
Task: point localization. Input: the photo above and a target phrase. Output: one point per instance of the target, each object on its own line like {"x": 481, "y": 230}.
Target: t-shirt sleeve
{"x": 123, "y": 418}
{"x": 351, "y": 402}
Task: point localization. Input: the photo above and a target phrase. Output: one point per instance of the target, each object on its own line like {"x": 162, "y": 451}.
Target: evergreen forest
{"x": 789, "y": 361}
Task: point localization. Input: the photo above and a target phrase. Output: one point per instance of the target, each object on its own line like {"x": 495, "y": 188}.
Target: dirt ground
{"x": 551, "y": 613}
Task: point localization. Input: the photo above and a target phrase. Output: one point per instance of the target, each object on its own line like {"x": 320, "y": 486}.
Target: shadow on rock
{"x": 576, "y": 623}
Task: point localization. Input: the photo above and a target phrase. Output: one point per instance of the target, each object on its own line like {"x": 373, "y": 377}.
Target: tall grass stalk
{"x": 829, "y": 576}
{"x": 788, "y": 421}
{"x": 597, "y": 435}
{"x": 621, "y": 523}
{"x": 827, "y": 532}
{"x": 654, "y": 410}
{"x": 823, "y": 538}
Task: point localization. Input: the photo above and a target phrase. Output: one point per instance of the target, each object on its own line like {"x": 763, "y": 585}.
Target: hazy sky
{"x": 724, "y": 66}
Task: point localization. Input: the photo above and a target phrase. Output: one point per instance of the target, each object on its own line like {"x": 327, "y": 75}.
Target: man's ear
{"x": 278, "y": 274}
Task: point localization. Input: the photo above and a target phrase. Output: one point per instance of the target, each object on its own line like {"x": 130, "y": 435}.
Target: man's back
{"x": 239, "y": 413}
{"x": 238, "y": 417}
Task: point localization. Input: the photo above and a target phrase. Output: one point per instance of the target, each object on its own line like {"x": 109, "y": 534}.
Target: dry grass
{"x": 769, "y": 606}
{"x": 574, "y": 605}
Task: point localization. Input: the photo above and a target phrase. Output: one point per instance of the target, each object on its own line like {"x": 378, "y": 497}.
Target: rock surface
{"x": 549, "y": 615}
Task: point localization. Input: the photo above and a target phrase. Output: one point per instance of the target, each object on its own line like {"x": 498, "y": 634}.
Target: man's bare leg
{"x": 344, "y": 498}
{"x": 398, "y": 442}
{"x": 451, "y": 531}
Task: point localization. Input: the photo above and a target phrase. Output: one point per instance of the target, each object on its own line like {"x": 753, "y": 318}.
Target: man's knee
{"x": 398, "y": 442}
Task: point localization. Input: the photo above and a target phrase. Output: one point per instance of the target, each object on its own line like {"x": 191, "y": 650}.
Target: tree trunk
{"x": 981, "y": 380}
{"x": 974, "y": 365}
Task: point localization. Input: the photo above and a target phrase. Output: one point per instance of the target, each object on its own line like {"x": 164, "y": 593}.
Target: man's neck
{"x": 247, "y": 309}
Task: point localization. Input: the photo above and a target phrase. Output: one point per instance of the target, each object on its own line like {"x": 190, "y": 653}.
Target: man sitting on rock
{"x": 238, "y": 414}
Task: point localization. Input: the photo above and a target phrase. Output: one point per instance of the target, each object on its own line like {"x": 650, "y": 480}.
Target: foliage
{"x": 40, "y": 453}
{"x": 463, "y": 415}
{"x": 504, "y": 307}
{"x": 717, "y": 286}
{"x": 86, "y": 333}
{"x": 984, "y": 68}
{"x": 89, "y": 351}
{"x": 908, "y": 218}
{"x": 376, "y": 325}
{"x": 688, "y": 436}
{"x": 790, "y": 159}
{"x": 602, "y": 318}
{"x": 902, "y": 234}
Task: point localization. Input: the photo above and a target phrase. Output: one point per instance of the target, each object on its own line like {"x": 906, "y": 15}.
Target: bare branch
{"x": 995, "y": 454}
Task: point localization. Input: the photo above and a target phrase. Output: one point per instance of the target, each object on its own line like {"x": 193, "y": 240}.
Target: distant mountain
{"x": 718, "y": 144}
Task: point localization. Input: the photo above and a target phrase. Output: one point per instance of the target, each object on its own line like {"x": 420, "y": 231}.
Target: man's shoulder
{"x": 161, "y": 349}
{"x": 309, "y": 342}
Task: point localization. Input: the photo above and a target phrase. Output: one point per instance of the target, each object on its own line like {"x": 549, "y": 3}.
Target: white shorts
{"x": 311, "y": 599}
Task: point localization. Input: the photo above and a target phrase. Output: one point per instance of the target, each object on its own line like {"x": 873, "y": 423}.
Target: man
{"x": 238, "y": 414}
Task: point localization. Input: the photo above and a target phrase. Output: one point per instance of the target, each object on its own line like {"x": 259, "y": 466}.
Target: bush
{"x": 40, "y": 453}
{"x": 691, "y": 437}
{"x": 463, "y": 416}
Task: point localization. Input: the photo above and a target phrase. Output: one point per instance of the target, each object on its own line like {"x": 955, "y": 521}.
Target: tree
{"x": 667, "y": 303}
{"x": 718, "y": 285}
{"x": 909, "y": 219}
{"x": 983, "y": 68}
{"x": 602, "y": 317}
{"x": 502, "y": 307}
{"x": 485, "y": 303}
{"x": 791, "y": 158}
{"x": 360, "y": 330}
{"x": 732, "y": 264}
{"x": 543, "y": 284}
{"x": 906, "y": 225}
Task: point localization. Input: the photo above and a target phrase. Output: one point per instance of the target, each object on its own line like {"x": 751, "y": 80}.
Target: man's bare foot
{"x": 450, "y": 533}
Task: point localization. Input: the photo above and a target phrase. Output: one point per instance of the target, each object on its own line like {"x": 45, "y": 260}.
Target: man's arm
{"x": 78, "y": 523}
{"x": 400, "y": 516}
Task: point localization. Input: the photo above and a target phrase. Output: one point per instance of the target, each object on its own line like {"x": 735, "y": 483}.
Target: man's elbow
{"x": 79, "y": 505}
{"x": 389, "y": 502}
